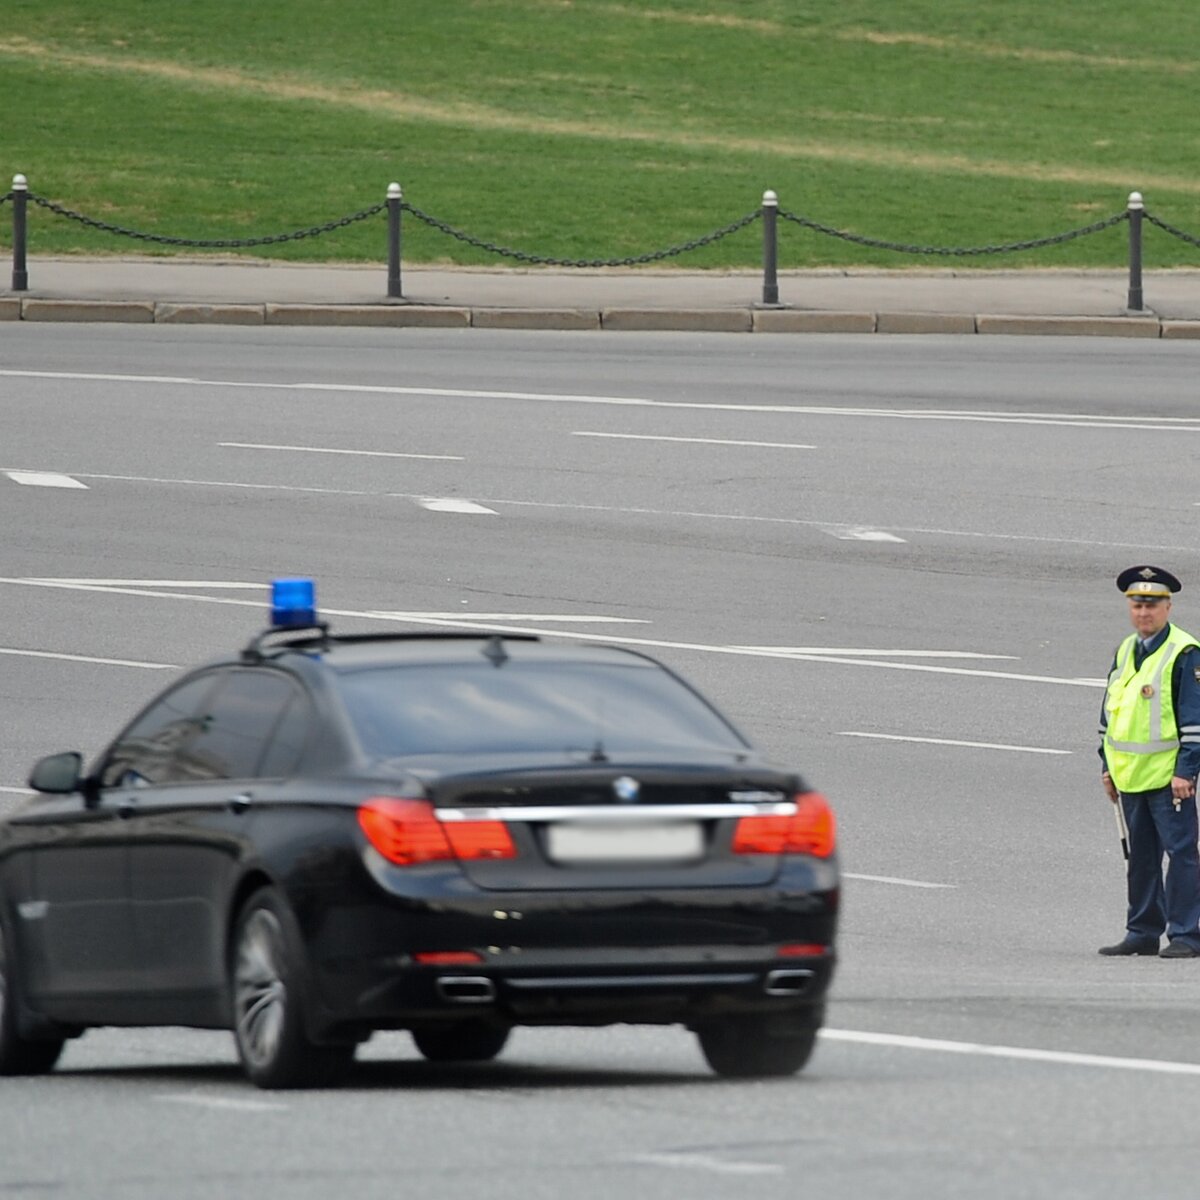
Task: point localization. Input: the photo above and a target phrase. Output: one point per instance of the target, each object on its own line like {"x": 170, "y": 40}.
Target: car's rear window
{"x": 463, "y": 708}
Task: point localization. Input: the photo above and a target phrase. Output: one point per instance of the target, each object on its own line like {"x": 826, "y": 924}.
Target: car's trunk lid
{"x": 617, "y": 825}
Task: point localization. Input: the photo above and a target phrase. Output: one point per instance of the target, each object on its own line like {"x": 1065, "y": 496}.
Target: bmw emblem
{"x": 627, "y": 789}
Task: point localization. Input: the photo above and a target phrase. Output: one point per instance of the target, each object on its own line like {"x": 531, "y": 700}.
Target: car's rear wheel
{"x": 267, "y": 981}
{"x": 755, "y": 1047}
{"x": 470, "y": 1041}
{"x": 18, "y": 1055}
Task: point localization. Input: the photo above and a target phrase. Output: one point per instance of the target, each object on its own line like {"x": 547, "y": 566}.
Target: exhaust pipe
{"x": 466, "y": 989}
{"x": 791, "y": 982}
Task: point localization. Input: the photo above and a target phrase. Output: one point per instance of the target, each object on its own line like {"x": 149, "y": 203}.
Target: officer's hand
{"x": 1110, "y": 788}
{"x": 1182, "y": 789}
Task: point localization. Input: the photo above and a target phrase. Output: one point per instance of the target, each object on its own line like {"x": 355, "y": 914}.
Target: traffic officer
{"x": 1150, "y": 751}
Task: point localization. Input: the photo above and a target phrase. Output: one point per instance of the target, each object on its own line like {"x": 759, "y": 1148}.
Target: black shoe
{"x": 1128, "y": 947}
{"x": 1178, "y": 950}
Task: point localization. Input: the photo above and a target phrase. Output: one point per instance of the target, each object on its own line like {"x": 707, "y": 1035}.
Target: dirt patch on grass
{"x": 1032, "y": 54}
{"x": 405, "y": 107}
{"x": 716, "y": 20}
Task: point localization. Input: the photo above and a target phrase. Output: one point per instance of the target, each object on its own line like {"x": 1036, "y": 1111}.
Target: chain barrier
{"x": 208, "y": 244}
{"x": 542, "y": 260}
{"x": 957, "y": 251}
{"x": 1166, "y": 228}
{"x": 6, "y": 197}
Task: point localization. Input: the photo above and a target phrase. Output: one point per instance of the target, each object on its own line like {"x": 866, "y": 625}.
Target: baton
{"x": 1122, "y": 828}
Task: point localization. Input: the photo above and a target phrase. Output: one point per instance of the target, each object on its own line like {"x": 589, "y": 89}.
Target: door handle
{"x": 240, "y": 802}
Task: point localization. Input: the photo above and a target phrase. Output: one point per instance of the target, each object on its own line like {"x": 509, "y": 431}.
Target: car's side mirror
{"x": 57, "y": 774}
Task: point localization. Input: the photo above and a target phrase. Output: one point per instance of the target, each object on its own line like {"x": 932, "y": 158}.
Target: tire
{"x": 471, "y": 1041}
{"x": 749, "y": 1048}
{"x": 18, "y": 1055}
{"x": 267, "y": 976}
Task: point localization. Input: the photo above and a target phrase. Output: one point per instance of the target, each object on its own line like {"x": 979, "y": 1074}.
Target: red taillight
{"x": 407, "y": 832}
{"x": 448, "y": 958}
{"x": 480, "y": 839}
{"x": 809, "y": 830}
{"x": 803, "y": 950}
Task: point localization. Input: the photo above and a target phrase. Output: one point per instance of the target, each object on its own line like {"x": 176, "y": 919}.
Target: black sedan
{"x": 453, "y": 834}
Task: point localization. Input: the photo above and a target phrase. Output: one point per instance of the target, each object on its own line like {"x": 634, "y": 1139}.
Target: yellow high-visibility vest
{"x": 1141, "y": 740}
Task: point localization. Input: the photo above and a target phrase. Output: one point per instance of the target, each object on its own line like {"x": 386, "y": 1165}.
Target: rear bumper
{"x": 587, "y": 959}
{"x": 624, "y": 992}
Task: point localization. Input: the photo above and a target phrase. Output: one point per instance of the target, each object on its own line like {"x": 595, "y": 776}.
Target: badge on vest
{"x": 1147, "y": 692}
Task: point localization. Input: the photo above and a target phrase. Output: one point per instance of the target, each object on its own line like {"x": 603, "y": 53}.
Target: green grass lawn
{"x": 594, "y": 129}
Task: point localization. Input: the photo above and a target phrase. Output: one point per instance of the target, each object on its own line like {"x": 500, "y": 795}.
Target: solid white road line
{"x": 896, "y": 737}
{"x": 450, "y": 504}
{"x": 913, "y": 883}
{"x": 104, "y": 662}
{"x": 45, "y": 479}
{"x": 17, "y": 791}
{"x": 578, "y": 635}
{"x": 646, "y": 437}
{"x": 1078, "y": 420}
{"x": 983, "y": 1049}
{"x": 173, "y": 583}
{"x": 331, "y": 450}
{"x": 877, "y": 653}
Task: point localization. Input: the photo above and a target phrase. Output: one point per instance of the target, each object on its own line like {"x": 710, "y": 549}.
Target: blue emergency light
{"x": 293, "y": 603}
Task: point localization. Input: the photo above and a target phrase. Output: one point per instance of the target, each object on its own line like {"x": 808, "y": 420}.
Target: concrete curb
{"x": 924, "y": 323}
{"x": 712, "y": 320}
{"x": 390, "y": 315}
{"x": 535, "y": 318}
{"x": 129, "y": 312}
{"x": 1070, "y": 326}
{"x": 1181, "y": 329}
{"x": 791, "y": 320}
{"x": 692, "y": 320}
{"x": 209, "y": 314}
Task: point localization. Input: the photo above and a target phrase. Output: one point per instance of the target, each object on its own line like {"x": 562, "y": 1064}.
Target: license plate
{"x": 625, "y": 842}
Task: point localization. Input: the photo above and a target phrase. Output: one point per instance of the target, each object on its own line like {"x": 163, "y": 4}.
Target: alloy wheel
{"x": 260, "y": 994}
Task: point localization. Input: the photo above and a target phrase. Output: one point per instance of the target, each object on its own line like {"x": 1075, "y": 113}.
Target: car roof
{"x": 348, "y": 652}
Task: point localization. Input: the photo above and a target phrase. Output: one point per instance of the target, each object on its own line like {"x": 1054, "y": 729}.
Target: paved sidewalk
{"x": 933, "y": 301}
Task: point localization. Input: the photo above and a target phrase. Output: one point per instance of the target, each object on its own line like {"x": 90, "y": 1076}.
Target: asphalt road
{"x": 890, "y": 560}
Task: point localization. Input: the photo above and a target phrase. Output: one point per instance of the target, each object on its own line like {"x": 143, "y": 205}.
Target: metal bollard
{"x": 394, "y": 197}
{"x": 770, "y": 213}
{"x": 20, "y": 196}
{"x": 1135, "y": 208}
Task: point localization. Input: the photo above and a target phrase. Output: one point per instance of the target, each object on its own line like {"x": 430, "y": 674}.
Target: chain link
{"x": 209, "y": 244}
{"x": 630, "y": 261}
{"x": 1183, "y": 237}
{"x": 6, "y": 197}
{"x": 957, "y": 251}
{"x": 542, "y": 260}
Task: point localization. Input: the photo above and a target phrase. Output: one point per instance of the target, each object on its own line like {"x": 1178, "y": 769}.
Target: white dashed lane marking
{"x": 333, "y": 450}
{"x": 45, "y": 479}
{"x": 646, "y": 437}
{"x": 84, "y": 658}
{"x": 896, "y": 737}
{"x": 693, "y": 1161}
{"x": 468, "y": 617}
{"x": 892, "y": 879}
{"x": 450, "y": 504}
{"x": 231, "y": 1103}
{"x": 860, "y": 533}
